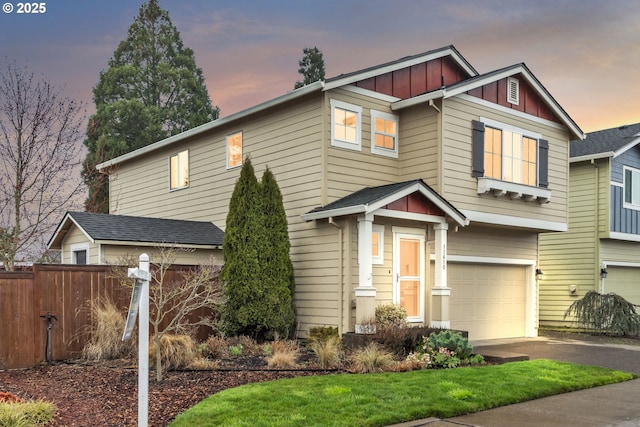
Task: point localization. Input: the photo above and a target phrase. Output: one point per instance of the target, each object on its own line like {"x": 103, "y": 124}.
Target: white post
{"x": 143, "y": 346}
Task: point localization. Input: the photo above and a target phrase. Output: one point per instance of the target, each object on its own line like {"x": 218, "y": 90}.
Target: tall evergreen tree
{"x": 311, "y": 66}
{"x": 277, "y": 269}
{"x": 151, "y": 90}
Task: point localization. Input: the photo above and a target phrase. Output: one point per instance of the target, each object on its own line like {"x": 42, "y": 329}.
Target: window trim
{"x": 177, "y": 155}
{"x": 379, "y": 150}
{"x": 625, "y": 204}
{"x": 229, "y": 136}
{"x": 78, "y": 247}
{"x": 379, "y": 230}
{"x": 340, "y": 143}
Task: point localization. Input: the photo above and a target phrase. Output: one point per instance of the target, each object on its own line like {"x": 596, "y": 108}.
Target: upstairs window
{"x": 510, "y": 156}
{"x": 632, "y": 187}
{"x": 346, "y": 125}
{"x": 179, "y": 170}
{"x": 384, "y": 134}
{"x": 234, "y": 150}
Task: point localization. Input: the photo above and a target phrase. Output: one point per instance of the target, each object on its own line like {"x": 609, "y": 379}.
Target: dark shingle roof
{"x": 150, "y": 230}
{"x": 605, "y": 141}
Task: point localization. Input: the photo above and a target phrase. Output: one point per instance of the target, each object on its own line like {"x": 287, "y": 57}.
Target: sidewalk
{"x": 610, "y": 405}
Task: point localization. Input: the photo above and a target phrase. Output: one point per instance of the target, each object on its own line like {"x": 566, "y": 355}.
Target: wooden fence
{"x": 64, "y": 291}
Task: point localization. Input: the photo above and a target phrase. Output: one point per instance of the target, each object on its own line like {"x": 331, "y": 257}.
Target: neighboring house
{"x": 601, "y": 250}
{"x": 419, "y": 182}
{"x": 88, "y": 238}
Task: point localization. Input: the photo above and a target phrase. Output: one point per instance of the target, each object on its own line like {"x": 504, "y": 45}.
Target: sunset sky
{"x": 586, "y": 53}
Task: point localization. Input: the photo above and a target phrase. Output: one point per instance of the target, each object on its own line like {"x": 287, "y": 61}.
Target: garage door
{"x": 488, "y": 300}
{"x": 624, "y": 281}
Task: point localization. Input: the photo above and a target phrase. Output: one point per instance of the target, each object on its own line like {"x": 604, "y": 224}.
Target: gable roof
{"x": 490, "y": 77}
{"x": 370, "y": 199}
{"x": 605, "y": 143}
{"x": 133, "y": 229}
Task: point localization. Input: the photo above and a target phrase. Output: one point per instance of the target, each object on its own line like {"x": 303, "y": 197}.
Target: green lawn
{"x": 388, "y": 398}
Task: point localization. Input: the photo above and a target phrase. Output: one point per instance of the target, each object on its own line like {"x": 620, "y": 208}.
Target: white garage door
{"x": 624, "y": 281}
{"x": 488, "y": 301}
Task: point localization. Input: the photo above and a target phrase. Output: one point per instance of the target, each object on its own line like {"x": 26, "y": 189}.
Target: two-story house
{"x": 418, "y": 181}
{"x": 601, "y": 250}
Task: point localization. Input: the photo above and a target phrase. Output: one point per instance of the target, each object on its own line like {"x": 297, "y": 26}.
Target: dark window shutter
{"x": 543, "y": 163}
{"x": 477, "y": 141}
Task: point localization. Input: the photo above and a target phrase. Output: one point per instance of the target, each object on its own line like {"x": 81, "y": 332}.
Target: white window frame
{"x": 231, "y": 135}
{"x": 342, "y": 143}
{"x": 177, "y": 156}
{"x": 513, "y": 91}
{"x": 78, "y": 247}
{"x": 634, "y": 172}
{"x": 379, "y": 150}
{"x": 379, "y": 230}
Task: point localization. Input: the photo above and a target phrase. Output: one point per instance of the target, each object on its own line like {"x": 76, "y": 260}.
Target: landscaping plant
{"x": 16, "y": 412}
{"x": 105, "y": 340}
{"x": 371, "y": 358}
{"x": 606, "y": 313}
{"x": 284, "y": 354}
{"x": 388, "y": 315}
{"x": 176, "y": 351}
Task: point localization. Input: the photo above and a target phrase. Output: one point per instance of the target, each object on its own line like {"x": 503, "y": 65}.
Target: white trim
{"x": 440, "y": 291}
{"x": 606, "y": 264}
{"x": 370, "y": 93}
{"x": 349, "y": 210}
{"x": 467, "y": 259}
{"x": 78, "y": 247}
{"x": 616, "y": 184}
{"x": 177, "y": 155}
{"x": 365, "y": 291}
{"x": 294, "y": 94}
{"x": 627, "y": 147}
{"x": 441, "y": 324}
{"x": 624, "y": 236}
{"x": 510, "y": 111}
{"x": 514, "y": 221}
{"x": 514, "y": 83}
{"x": 226, "y": 149}
{"x": 415, "y": 234}
{"x": 341, "y": 143}
{"x": 588, "y": 157}
{"x": 505, "y": 126}
{"x": 379, "y": 230}
{"x": 417, "y": 100}
{"x": 513, "y": 190}
{"x": 379, "y": 150}
{"x": 634, "y": 171}
{"x": 389, "y": 213}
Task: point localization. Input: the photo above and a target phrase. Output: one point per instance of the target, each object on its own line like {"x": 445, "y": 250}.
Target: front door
{"x": 408, "y": 275}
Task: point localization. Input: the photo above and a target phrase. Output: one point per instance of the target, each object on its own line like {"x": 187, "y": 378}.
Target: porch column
{"x": 440, "y": 293}
{"x": 365, "y": 292}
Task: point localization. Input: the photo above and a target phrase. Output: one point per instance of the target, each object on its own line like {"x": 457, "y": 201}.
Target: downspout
{"x": 340, "y": 275}
{"x": 596, "y": 238}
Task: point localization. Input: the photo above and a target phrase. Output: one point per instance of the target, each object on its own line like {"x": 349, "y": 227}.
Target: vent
{"x": 513, "y": 91}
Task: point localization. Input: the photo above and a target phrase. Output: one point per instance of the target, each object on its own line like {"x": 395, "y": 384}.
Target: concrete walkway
{"x": 611, "y": 405}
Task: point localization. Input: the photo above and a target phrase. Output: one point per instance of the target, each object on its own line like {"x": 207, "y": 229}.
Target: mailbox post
{"x": 140, "y": 304}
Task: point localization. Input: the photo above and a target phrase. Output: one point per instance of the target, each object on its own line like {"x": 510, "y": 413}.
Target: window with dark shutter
{"x": 477, "y": 168}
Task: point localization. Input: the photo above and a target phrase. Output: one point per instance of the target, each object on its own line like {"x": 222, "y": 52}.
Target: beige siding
{"x": 77, "y": 237}
{"x": 115, "y": 254}
{"x": 619, "y": 251}
{"x": 460, "y": 188}
{"x": 571, "y": 258}
{"x": 418, "y": 145}
{"x": 477, "y": 241}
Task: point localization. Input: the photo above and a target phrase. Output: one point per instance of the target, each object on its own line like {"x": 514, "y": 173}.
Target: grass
{"x": 387, "y": 398}
{"x": 26, "y": 414}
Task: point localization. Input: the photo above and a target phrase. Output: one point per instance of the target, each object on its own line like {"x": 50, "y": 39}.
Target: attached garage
{"x": 624, "y": 281}
{"x": 488, "y": 300}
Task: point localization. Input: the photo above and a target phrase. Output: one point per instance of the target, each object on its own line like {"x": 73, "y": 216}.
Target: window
{"x": 79, "y": 254}
{"x": 346, "y": 122}
{"x": 513, "y": 91}
{"x": 384, "y": 134}
{"x": 377, "y": 244}
{"x": 631, "y": 187}
{"x": 179, "y": 170}
{"x": 234, "y": 150}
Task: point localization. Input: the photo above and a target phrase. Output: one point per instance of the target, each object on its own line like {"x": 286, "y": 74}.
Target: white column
{"x": 440, "y": 292}
{"x": 365, "y": 292}
{"x": 441, "y": 255}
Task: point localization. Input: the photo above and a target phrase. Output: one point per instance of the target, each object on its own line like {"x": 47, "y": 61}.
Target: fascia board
{"x": 627, "y": 147}
{"x": 595, "y": 156}
{"x": 155, "y": 244}
{"x": 67, "y": 218}
{"x": 297, "y": 93}
{"x": 416, "y": 100}
{"x": 350, "y": 210}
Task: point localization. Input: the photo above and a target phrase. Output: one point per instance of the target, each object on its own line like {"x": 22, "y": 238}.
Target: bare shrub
{"x": 216, "y": 346}
{"x": 176, "y": 351}
{"x": 204, "y": 364}
{"x": 250, "y": 347}
{"x": 371, "y": 358}
{"x": 284, "y": 354}
{"x": 328, "y": 351}
{"x": 106, "y": 333}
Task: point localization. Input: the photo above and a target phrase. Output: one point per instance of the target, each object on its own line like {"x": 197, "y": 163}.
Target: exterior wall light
{"x": 604, "y": 273}
{"x": 539, "y": 274}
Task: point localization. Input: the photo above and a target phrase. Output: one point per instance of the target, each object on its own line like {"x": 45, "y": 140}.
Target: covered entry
{"x": 489, "y": 300}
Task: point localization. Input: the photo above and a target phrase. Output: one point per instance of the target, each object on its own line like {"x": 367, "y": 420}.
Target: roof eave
{"x": 294, "y": 94}
{"x": 594, "y": 156}
{"x": 58, "y": 236}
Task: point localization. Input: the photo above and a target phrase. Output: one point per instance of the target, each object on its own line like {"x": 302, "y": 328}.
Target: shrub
{"x": 176, "y": 351}
{"x": 27, "y": 414}
{"x": 215, "y": 346}
{"x": 328, "y": 351}
{"x": 322, "y": 333}
{"x": 284, "y": 354}
{"x": 249, "y": 346}
{"x": 400, "y": 340}
{"x": 390, "y": 315}
{"x": 106, "y": 333}
{"x": 450, "y": 340}
{"x": 372, "y": 358}
{"x": 609, "y": 313}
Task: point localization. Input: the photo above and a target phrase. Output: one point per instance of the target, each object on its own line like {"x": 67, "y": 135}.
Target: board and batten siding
{"x": 460, "y": 187}
{"x": 571, "y": 258}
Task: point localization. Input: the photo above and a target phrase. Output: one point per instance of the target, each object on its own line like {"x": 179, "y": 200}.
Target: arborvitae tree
{"x": 241, "y": 273}
{"x": 151, "y": 90}
{"x": 277, "y": 270}
{"x": 311, "y": 66}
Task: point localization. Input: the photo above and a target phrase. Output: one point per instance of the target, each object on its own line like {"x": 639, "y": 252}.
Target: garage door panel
{"x": 624, "y": 281}
{"x": 488, "y": 301}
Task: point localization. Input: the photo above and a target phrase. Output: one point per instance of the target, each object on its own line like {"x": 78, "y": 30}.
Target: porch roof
{"x": 370, "y": 199}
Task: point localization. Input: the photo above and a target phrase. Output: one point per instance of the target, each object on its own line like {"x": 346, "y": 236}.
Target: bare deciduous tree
{"x": 40, "y": 156}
